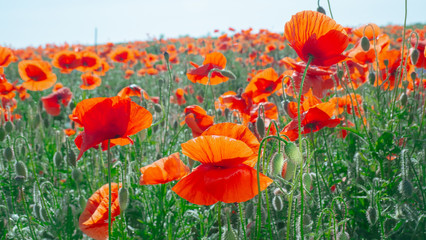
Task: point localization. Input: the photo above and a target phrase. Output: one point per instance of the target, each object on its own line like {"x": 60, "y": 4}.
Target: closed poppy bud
{"x": 413, "y": 76}
{"x": 293, "y": 153}
{"x": 77, "y": 175}
{"x": 2, "y": 134}
{"x": 123, "y": 198}
{"x": 386, "y": 62}
{"x": 8, "y": 126}
{"x": 278, "y": 192}
{"x": 260, "y": 127}
{"x": 43, "y": 214}
{"x": 288, "y": 170}
{"x": 365, "y": 44}
{"x": 371, "y": 78}
{"x": 21, "y": 169}
{"x": 277, "y": 203}
{"x": 406, "y": 188}
{"x": 343, "y": 236}
{"x": 166, "y": 56}
{"x": 340, "y": 74}
{"x": 157, "y": 108}
{"x": 403, "y": 99}
{"x": 277, "y": 164}
{"x": 414, "y": 56}
{"x": 228, "y": 74}
{"x": 161, "y": 82}
{"x": 8, "y": 153}
{"x": 307, "y": 181}
{"x": 321, "y": 10}
{"x": 371, "y": 215}
{"x": 71, "y": 158}
{"x": 58, "y": 159}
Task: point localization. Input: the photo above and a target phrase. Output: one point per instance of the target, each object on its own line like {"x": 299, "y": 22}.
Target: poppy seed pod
{"x": 277, "y": 164}
{"x": 21, "y": 169}
{"x": 414, "y": 56}
{"x": 365, "y": 44}
{"x": 123, "y": 198}
{"x": 8, "y": 153}
{"x": 228, "y": 74}
{"x": 8, "y": 127}
{"x": 260, "y": 127}
{"x": 321, "y": 10}
{"x": 371, "y": 78}
{"x": 2, "y": 134}
{"x": 77, "y": 175}
{"x": 293, "y": 153}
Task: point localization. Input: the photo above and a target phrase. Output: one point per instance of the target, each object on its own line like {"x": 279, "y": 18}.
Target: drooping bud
{"x": 371, "y": 78}
{"x": 260, "y": 127}
{"x": 365, "y": 44}
{"x": 58, "y": 159}
{"x": 21, "y": 169}
{"x": 288, "y": 170}
{"x": 277, "y": 164}
{"x": 228, "y": 74}
{"x": 413, "y": 76}
{"x": 123, "y": 198}
{"x": 8, "y": 127}
{"x": 77, "y": 175}
{"x": 8, "y": 153}
{"x": 414, "y": 56}
{"x": 371, "y": 215}
{"x": 307, "y": 180}
{"x": 293, "y": 153}
{"x": 386, "y": 62}
{"x": 403, "y": 99}
{"x": 321, "y": 10}
{"x": 277, "y": 203}
{"x": 158, "y": 108}
{"x": 340, "y": 74}
{"x": 405, "y": 187}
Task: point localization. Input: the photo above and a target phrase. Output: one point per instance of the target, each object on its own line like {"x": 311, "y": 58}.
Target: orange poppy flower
{"x": 90, "y": 81}
{"x": 237, "y": 132}
{"x": 93, "y": 220}
{"x": 89, "y": 61}
{"x": 57, "y": 87}
{"x": 197, "y": 119}
{"x": 51, "y": 102}
{"x": 122, "y": 54}
{"x": 179, "y": 97}
{"x": 104, "y": 119}
{"x": 311, "y": 33}
{"x": 164, "y": 170}
{"x": 222, "y": 175}
{"x": 6, "y": 56}
{"x": 370, "y": 33}
{"x": 36, "y": 74}
{"x": 128, "y": 73}
{"x": 6, "y": 88}
{"x": 69, "y": 131}
{"x": 215, "y": 60}
{"x": 313, "y": 120}
{"x": 133, "y": 90}
{"x": 66, "y": 61}
{"x": 263, "y": 85}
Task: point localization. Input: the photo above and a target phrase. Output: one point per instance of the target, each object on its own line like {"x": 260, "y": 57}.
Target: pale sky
{"x": 36, "y": 22}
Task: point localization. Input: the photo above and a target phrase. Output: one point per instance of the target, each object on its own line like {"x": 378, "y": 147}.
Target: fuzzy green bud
{"x": 403, "y": 99}
{"x": 415, "y": 56}
{"x": 307, "y": 181}
{"x": 82, "y": 201}
{"x": 277, "y": 203}
{"x": 365, "y": 44}
{"x": 229, "y": 234}
{"x": 166, "y": 56}
{"x": 77, "y": 175}
{"x": 228, "y": 74}
{"x": 371, "y": 78}
{"x": 71, "y": 158}
{"x": 371, "y": 215}
{"x": 260, "y": 127}
{"x": 142, "y": 134}
{"x": 8, "y": 127}
{"x": 277, "y": 164}
{"x": 21, "y": 169}
{"x": 413, "y": 76}
{"x": 123, "y": 198}
{"x": 405, "y": 187}
{"x": 8, "y": 153}
{"x": 340, "y": 74}
{"x": 158, "y": 108}
{"x": 293, "y": 153}
{"x": 58, "y": 159}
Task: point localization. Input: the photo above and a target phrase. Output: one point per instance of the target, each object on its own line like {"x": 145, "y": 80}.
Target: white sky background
{"x": 37, "y": 22}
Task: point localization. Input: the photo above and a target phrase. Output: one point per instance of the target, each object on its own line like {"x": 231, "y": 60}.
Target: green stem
{"x": 243, "y": 223}
{"x": 219, "y": 218}
{"x": 28, "y": 214}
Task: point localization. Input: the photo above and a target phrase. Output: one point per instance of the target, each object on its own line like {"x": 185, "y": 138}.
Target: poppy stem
{"x": 243, "y": 222}
{"x": 109, "y": 187}
{"x": 219, "y": 217}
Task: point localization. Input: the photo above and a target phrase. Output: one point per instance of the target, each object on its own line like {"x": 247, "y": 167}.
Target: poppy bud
{"x": 414, "y": 56}
{"x": 161, "y": 82}
{"x": 229, "y": 234}
{"x": 142, "y": 134}
{"x": 321, "y": 10}
{"x": 228, "y": 74}
{"x": 278, "y": 192}
{"x": 260, "y": 127}
{"x": 371, "y": 78}
{"x": 166, "y": 56}
{"x": 343, "y": 236}
{"x": 413, "y": 76}
{"x": 77, "y": 175}
{"x": 307, "y": 180}
{"x": 277, "y": 164}
{"x": 277, "y": 203}
{"x": 288, "y": 170}
{"x": 82, "y": 201}
{"x": 21, "y": 169}
{"x": 293, "y": 153}
{"x": 405, "y": 84}
{"x": 36, "y": 210}
{"x": 403, "y": 99}
{"x": 72, "y": 158}
{"x": 250, "y": 210}
{"x": 58, "y": 159}
{"x": 386, "y": 62}
{"x": 43, "y": 214}
{"x": 8, "y": 127}
{"x": 157, "y": 108}
{"x": 406, "y": 188}
{"x": 2, "y": 134}
{"x": 365, "y": 44}
{"x": 123, "y": 198}
{"x": 340, "y": 74}
{"x": 8, "y": 153}
{"x": 371, "y": 215}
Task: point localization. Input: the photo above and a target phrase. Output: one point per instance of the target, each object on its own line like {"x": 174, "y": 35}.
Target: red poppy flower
{"x": 215, "y": 60}
{"x": 66, "y": 61}
{"x": 133, "y": 90}
{"x": 93, "y": 220}
{"x": 222, "y": 175}
{"x": 314, "y": 119}
{"x": 90, "y": 81}
{"x": 106, "y": 119}
{"x": 6, "y": 56}
{"x": 263, "y": 85}
{"x": 164, "y": 170}
{"x": 197, "y": 119}
{"x": 311, "y": 33}
{"x": 36, "y": 74}
{"x": 51, "y": 102}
